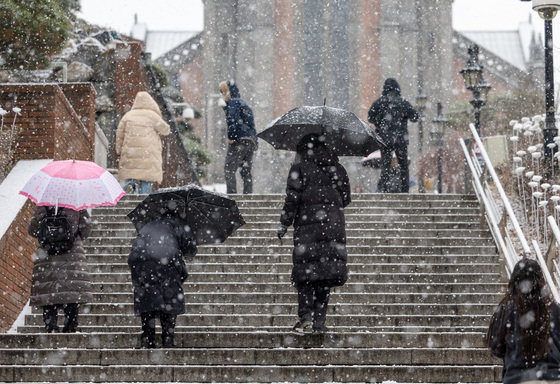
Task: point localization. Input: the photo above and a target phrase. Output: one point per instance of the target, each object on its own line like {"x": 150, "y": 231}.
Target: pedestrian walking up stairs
{"x": 424, "y": 280}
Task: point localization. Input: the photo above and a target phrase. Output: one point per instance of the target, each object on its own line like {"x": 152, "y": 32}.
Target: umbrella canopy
{"x": 73, "y": 184}
{"x": 211, "y": 216}
{"x": 345, "y": 133}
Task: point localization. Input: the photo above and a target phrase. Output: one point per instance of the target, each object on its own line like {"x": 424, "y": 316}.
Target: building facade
{"x": 285, "y": 53}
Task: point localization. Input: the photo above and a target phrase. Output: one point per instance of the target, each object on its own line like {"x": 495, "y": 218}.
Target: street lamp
{"x": 547, "y": 10}
{"x": 436, "y": 133}
{"x": 421, "y": 101}
{"x": 474, "y": 81}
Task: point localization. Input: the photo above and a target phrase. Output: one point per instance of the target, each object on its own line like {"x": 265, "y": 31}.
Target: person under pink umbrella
{"x": 63, "y": 191}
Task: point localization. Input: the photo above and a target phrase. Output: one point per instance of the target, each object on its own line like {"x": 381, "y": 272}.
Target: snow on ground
{"x": 216, "y": 188}
{"x": 10, "y": 199}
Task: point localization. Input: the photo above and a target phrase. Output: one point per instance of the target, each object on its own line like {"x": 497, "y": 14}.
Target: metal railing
{"x": 502, "y": 221}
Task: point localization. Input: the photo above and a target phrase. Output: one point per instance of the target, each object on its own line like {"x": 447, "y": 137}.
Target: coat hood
{"x": 233, "y": 90}
{"x": 391, "y": 86}
{"x": 143, "y": 100}
{"x": 311, "y": 147}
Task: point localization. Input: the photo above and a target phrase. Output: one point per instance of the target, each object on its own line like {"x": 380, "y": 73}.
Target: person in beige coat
{"x": 139, "y": 144}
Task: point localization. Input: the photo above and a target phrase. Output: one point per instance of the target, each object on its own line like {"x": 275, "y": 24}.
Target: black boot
{"x": 168, "y": 330}
{"x": 148, "y": 338}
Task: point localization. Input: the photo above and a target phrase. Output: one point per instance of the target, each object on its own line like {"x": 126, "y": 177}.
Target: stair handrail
{"x": 493, "y": 222}
{"x": 503, "y": 238}
{"x": 500, "y": 235}
{"x": 554, "y": 247}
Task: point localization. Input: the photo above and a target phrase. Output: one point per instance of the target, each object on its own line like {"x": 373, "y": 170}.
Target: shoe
{"x": 168, "y": 342}
{"x": 320, "y": 329}
{"x": 146, "y": 343}
{"x": 303, "y": 327}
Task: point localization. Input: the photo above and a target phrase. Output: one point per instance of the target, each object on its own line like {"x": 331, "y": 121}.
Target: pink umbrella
{"x": 73, "y": 184}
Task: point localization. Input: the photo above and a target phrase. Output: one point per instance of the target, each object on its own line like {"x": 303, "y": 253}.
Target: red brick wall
{"x": 130, "y": 75}
{"x": 50, "y": 126}
{"x": 16, "y": 265}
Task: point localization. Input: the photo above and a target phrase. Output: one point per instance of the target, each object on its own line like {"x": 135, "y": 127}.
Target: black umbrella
{"x": 345, "y": 133}
{"x": 211, "y": 216}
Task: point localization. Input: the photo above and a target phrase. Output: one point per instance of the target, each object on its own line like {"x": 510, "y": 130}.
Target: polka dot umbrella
{"x": 73, "y": 184}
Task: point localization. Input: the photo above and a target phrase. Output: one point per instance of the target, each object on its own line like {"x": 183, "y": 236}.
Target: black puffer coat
{"x": 157, "y": 266}
{"x": 390, "y": 114}
{"x": 62, "y": 278}
{"x": 508, "y": 347}
{"x": 317, "y": 191}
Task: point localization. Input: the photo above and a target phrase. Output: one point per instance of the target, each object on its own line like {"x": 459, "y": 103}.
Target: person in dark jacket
{"x": 524, "y": 329}
{"x": 317, "y": 191}
{"x": 158, "y": 271}
{"x": 242, "y": 138}
{"x": 61, "y": 281}
{"x": 390, "y": 114}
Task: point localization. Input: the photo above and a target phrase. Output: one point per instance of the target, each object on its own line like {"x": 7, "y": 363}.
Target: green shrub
{"x": 161, "y": 76}
{"x": 33, "y": 30}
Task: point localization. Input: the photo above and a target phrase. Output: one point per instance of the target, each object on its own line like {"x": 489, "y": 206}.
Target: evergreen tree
{"x": 33, "y": 30}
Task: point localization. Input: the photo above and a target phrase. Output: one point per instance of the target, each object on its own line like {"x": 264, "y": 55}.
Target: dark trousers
{"x": 149, "y": 328}
{"x": 50, "y": 317}
{"x": 239, "y": 156}
{"x": 312, "y": 303}
{"x": 401, "y": 152}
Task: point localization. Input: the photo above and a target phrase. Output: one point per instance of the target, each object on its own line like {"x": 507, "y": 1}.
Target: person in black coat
{"x": 390, "y": 114}
{"x": 317, "y": 191}
{"x": 524, "y": 329}
{"x": 242, "y": 138}
{"x": 158, "y": 271}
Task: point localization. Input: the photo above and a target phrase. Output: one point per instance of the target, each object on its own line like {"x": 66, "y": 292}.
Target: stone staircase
{"x": 424, "y": 280}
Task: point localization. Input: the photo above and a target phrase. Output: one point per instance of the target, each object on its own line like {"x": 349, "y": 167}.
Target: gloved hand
{"x": 221, "y": 102}
{"x": 281, "y": 231}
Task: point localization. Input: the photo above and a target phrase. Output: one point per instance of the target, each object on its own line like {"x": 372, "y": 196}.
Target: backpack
{"x": 55, "y": 233}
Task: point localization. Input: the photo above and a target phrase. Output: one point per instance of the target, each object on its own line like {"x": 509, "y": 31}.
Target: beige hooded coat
{"x": 138, "y": 140}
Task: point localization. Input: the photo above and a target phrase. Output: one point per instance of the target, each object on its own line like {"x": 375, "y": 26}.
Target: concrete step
{"x": 291, "y": 297}
{"x": 242, "y": 356}
{"x": 282, "y": 321}
{"x": 273, "y": 308}
{"x": 261, "y": 340}
{"x": 350, "y": 240}
{"x": 354, "y": 232}
{"x": 252, "y": 373}
{"x": 114, "y": 289}
{"x": 349, "y": 217}
{"x": 97, "y": 313}
{"x": 286, "y": 247}
{"x": 201, "y": 266}
{"x": 360, "y": 259}
{"x": 109, "y": 223}
{"x": 356, "y": 277}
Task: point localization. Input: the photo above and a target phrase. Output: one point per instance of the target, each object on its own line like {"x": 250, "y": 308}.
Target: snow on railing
{"x": 509, "y": 242}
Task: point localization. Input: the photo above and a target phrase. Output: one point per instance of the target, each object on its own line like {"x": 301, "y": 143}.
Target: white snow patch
{"x": 11, "y": 201}
{"x": 20, "y": 321}
{"x": 216, "y": 188}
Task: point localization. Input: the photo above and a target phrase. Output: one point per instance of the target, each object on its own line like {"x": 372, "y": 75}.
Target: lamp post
{"x": 547, "y": 10}
{"x": 436, "y": 133}
{"x": 421, "y": 100}
{"x": 474, "y": 81}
